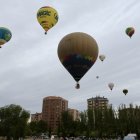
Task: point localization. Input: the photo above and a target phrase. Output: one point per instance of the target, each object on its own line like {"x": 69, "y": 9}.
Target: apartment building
{"x": 52, "y": 108}
{"x": 97, "y": 102}
{"x": 74, "y": 113}
{"x": 36, "y": 117}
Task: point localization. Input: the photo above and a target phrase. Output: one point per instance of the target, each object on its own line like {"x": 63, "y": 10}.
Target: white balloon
{"x": 111, "y": 85}
{"x": 102, "y": 57}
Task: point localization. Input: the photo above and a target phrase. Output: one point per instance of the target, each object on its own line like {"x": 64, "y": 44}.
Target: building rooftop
{"x": 98, "y": 98}
{"x": 53, "y": 97}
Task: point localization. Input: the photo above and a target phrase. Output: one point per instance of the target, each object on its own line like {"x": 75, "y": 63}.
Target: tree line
{"x": 106, "y": 122}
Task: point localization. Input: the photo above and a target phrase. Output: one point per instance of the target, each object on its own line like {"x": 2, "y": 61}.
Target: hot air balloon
{"x": 125, "y": 91}
{"x": 5, "y": 35}
{"x": 97, "y": 77}
{"x": 47, "y": 17}
{"x": 102, "y": 57}
{"x": 77, "y": 52}
{"x": 111, "y": 85}
{"x": 130, "y": 31}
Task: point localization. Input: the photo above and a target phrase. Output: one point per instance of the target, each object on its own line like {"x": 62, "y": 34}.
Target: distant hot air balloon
{"x": 102, "y": 57}
{"x": 97, "y": 77}
{"x": 47, "y": 17}
{"x": 77, "y": 52}
{"x": 125, "y": 91}
{"x": 130, "y": 31}
{"x": 5, "y": 35}
{"x": 111, "y": 85}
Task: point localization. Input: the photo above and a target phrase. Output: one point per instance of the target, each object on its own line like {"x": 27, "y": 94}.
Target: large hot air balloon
{"x": 125, "y": 91}
{"x": 130, "y": 31}
{"x": 47, "y": 17}
{"x": 111, "y": 85}
{"x": 77, "y": 52}
{"x": 102, "y": 57}
{"x": 5, "y": 35}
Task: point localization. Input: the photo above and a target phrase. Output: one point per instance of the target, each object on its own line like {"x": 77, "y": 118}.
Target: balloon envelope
{"x": 47, "y": 17}
{"x": 130, "y": 31}
{"x": 102, "y": 57}
{"x": 77, "y": 52}
{"x": 111, "y": 85}
{"x": 125, "y": 91}
{"x": 5, "y": 35}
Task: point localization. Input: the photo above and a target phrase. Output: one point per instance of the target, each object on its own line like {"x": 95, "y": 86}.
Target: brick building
{"x": 52, "y": 109}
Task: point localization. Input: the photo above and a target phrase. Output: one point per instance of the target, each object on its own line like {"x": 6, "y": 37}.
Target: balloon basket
{"x": 77, "y": 86}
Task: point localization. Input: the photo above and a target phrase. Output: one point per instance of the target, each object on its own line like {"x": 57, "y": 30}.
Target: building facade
{"x": 52, "y": 109}
{"x": 74, "y": 113}
{"x": 97, "y": 102}
{"x": 36, "y": 117}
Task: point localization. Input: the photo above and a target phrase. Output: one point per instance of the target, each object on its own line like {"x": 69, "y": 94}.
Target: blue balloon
{"x": 5, "y": 35}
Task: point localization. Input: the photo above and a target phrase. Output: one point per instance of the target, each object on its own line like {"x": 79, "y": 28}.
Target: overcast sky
{"x": 29, "y": 65}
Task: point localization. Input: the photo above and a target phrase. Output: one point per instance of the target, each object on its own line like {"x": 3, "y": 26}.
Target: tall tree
{"x": 38, "y": 127}
{"x": 13, "y": 121}
{"x": 66, "y": 123}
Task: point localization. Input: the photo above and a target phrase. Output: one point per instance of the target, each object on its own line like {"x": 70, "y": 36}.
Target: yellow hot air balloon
{"x": 77, "y": 52}
{"x": 47, "y": 17}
